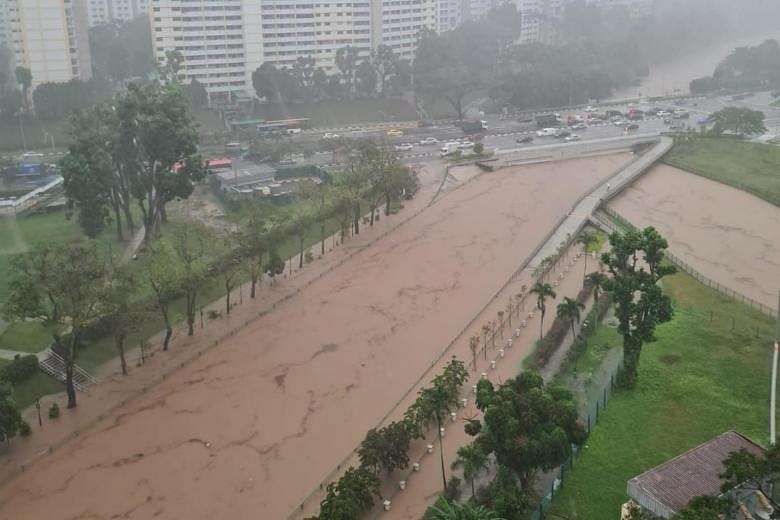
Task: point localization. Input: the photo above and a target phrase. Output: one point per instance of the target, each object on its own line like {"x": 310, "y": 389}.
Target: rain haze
{"x": 389, "y": 259}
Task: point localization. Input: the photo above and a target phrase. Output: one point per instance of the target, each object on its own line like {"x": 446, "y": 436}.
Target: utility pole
{"x": 773, "y": 397}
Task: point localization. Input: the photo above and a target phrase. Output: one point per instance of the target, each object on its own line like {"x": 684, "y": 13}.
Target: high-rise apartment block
{"x": 102, "y": 11}
{"x": 49, "y": 37}
{"x": 224, "y": 41}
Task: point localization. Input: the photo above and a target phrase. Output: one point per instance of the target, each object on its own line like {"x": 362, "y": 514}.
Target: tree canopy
{"x": 739, "y": 121}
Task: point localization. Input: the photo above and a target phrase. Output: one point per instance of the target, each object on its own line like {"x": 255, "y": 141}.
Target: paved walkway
{"x": 582, "y": 211}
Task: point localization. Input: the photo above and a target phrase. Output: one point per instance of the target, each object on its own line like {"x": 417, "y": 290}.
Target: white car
{"x": 578, "y": 126}
{"x": 546, "y": 132}
{"x": 329, "y": 135}
{"x": 620, "y": 122}
{"x": 663, "y": 113}
{"x": 429, "y": 140}
{"x": 404, "y": 147}
{"x": 572, "y": 137}
{"x": 591, "y": 110}
{"x": 465, "y": 145}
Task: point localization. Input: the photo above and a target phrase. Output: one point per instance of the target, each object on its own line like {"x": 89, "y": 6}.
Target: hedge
{"x": 20, "y": 369}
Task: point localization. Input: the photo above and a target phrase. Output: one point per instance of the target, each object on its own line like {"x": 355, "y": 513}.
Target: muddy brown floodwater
{"x": 248, "y": 429}
{"x": 728, "y": 235}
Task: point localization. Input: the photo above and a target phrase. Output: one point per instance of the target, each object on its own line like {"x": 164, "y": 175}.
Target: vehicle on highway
{"x": 635, "y": 115}
{"x": 573, "y": 120}
{"x": 571, "y": 138}
{"x": 546, "y": 132}
{"x": 525, "y": 139}
{"x": 466, "y": 145}
{"x": 547, "y": 120}
{"x": 653, "y": 111}
{"x": 578, "y": 126}
{"x": 681, "y": 114}
{"x": 663, "y": 113}
{"x": 705, "y": 120}
{"x": 448, "y": 149}
{"x": 330, "y": 135}
{"x": 429, "y": 140}
{"x": 620, "y": 122}
{"x": 473, "y": 126}
{"x": 676, "y": 126}
{"x": 286, "y": 161}
{"x": 394, "y": 132}
{"x": 404, "y": 147}
{"x": 632, "y": 126}
{"x": 560, "y": 134}
{"x": 591, "y": 109}
{"x": 292, "y": 131}
{"x": 614, "y": 113}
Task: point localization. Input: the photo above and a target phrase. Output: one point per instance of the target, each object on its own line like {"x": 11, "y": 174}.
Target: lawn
{"x": 751, "y": 167}
{"x": 25, "y": 336}
{"x": 698, "y": 380}
{"x": 335, "y": 113}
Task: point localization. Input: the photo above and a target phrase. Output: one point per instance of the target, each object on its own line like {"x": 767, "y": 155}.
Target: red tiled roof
{"x": 673, "y": 484}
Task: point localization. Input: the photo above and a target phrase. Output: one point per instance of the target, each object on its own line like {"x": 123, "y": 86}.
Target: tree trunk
{"x": 120, "y": 347}
{"x": 586, "y": 264}
{"x": 441, "y": 451}
{"x": 117, "y": 215}
{"x": 300, "y": 260}
{"x": 387, "y": 205}
{"x": 322, "y": 239}
{"x": 168, "y": 328}
{"x": 70, "y": 390}
{"x": 372, "y": 216}
{"x": 227, "y": 298}
{"x": 191, "y": 313}
{"x": 541, "y": 326}
{"x": 254, "y": 283}
{"x": 163, "y": 214}
{"x": 357, "y": 219}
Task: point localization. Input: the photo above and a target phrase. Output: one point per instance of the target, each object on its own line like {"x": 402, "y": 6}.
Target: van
{"x": 448, "y": 148}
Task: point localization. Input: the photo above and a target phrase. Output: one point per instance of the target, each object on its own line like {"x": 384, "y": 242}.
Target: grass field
{"x": 698, "y": 380}
{"x": 25, "y": 336}
{"x": 334, "y": 113}
{"x": 751, "y": 167}
{"x": 37, "y": 134}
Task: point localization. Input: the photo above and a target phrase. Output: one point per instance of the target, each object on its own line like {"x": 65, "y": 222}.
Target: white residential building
{"x": 50, "y": 38}
{"x": 636, "y": 8}
{"x": 400, "y": 23}
{"x": 449, "y": 15}
{"x": 476, "y": 8}
{"x": 102, "y": 11}
{"x": 221, "y": 41}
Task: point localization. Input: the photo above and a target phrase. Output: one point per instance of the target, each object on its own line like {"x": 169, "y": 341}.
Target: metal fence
{"x": 684, "y": 266}
{"x": 595, "y": 405}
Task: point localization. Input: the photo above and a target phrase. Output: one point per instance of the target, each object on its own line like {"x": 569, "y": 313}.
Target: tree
{"x": 640, "y": 304}
{"x": 300, "y": 221}
{"x": 569, "y": 310}
{"x": 586, "y": 240}
{"x": 597, "y": 281}
{"x": 162, "y": 274}
{"x": 745, "y": 469}
{"x": 10, "y": 419}
{"x": 157, "y": 149}
{"x": 350, "y": 496}
{"x": 64, "y": 286}
{"x": 506, "y": 499}
{"x": 197, "y": 94}
{"x": 473, "y": 460}
{"x": 738, "y": 120}
{"x": 118, "y": 312}
{"x": 346, "y": 61}
{"x": 542, "y": 292}
{"x": 24, "y": 79}
{"x": 304, "y": 69}
{"x": 354, "y": 183}
{"x": 386, "y": 449}
{"x": 365, "y": 78}
{"x": 528, "y": 426}
{"x": 190, "y": 243}
{"x": 256, "y": 238}
{"x": 275, "y": 264}
{"x": 173, "y": 62}
{"x": 121, "y": 49}
{"x": 445, "y": 510}
{"x": 708, "y": 508}
{"x": 385, "y": 62}
{"x": 229, "y": 264}
{"x": 434, "y": 402}
{"x": 274, "y": 84}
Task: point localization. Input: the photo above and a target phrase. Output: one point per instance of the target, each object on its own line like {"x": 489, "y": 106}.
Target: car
{"x": 620, "y": 122}
{"x": 330, "y": 135}
{"x": 681, "y": 115}
{"x": 525, "y": 139}
{"x": 591, "y": 109}
{"x": 292, "y": 131}
{"x": 560, "y": 134}
{"x": 404, "y": 147}
{"x": 394, "y": 132}
{"x": 617, "y": 119}
{"x": 571, "y": 138}
{"x": 429, "y": 140}
{"x": 579, "y": 126}
{"x": 546, "y": 132}
{"x": 663, "y": 113}
{"x": 465, "y": 145}
{"x": 632, "y": 126}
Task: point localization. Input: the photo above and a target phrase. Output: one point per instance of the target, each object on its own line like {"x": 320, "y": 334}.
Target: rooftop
{"x": 668, "y": 488}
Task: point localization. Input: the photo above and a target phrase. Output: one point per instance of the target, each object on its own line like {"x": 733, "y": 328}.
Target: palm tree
{"x": 587, "y": 239}
{"x": 542, "y": 292}
{"x": 444, "y": 510}
{"x": 473, "y": 460}
{"x": 598, "y": 280}
{"x": 569, "y": 310}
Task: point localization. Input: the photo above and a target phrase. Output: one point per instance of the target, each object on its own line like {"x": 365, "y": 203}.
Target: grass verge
{"x": 25, "y": 336}
{"x": 699, "y": 379}
{"x": 748, "y": 166}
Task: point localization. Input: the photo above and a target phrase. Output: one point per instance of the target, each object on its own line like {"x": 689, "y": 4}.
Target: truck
{"x": 470, "y": 127}
{"x": 547, "y": 120}
{"x": 449, "y": 148}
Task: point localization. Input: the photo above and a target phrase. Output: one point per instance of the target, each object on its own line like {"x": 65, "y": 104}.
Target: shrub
{"x": 54, "y": 411}
{"x": 24, "y": 429}
{"x": 308, "y": 257}
{"x": 453, "y": 489}
{"x": 20, "y": 369}
{"x": 213, "y": 314}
